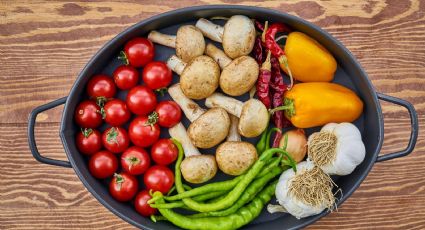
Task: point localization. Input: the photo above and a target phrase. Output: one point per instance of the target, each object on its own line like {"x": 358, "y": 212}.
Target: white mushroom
{"x": 253, "y": 115}
{"x": 237, "y": 76}
{"x": 198, "y": 78}
{"x": 208, "y": 128}
{"x": 196, "y": 168}
{"x": 234, "y": 157}
{"x": 237, "y": 35}
{"x": 189, "y": 41}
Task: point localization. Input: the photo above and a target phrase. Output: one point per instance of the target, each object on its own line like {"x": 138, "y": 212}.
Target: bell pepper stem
{"x": 288, "y": 106}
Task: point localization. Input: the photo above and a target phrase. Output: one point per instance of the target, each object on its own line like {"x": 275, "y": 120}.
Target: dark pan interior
{"x": 349, "y": 74}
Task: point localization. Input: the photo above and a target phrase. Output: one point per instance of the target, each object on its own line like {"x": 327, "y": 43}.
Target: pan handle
{"x": 413, "y": 123}
{"x": 31, "y": 138}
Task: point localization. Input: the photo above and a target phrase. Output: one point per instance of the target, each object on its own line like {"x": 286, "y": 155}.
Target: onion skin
{"x": 296, "y": 144}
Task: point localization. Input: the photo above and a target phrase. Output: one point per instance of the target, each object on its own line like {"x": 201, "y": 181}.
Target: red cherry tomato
{"x": 157, "y": 75}
{"x": 141, "y": 100}
{"x": 135, "y": 160}
{"x": 123, "y": 186}
{"x": 159, "y": 178}
{"x": 169, "y": 113}
{"x": 115, "y": 139}
{"x": 138, "y": 52}
{"x": 141, "y": 204}
{"x": 87, "y": 115}
{"x": 88, "y": 141}
{"x": 142, "y": 133}
{"x": 116, "y": 112}
{"x": 101, "y": 86}
{"x": 126, "y": 77}
{"x": 164, "y": 152}
{"x": 103, "y": 164}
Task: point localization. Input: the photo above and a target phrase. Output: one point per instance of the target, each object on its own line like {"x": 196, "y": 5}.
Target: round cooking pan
{"x": 349, "y": 74}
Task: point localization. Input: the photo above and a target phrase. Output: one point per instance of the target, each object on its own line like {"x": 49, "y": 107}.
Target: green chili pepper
{"x": 237, "y": 191}
{"x": 261, "y": 145}
{"x": 180, "y": 204}
{"x": 233, "y": 221}
{"x": 212, "y": 187}
{"x": 187, "y": 187}
{"x": 273, "y": 162}
{"x": 155, "y": 218}
{"x": 249, "y": 194}
{"x": 269, "y": 134}
{"x": 180, "y": 187}
{"x": 264, "y": 142}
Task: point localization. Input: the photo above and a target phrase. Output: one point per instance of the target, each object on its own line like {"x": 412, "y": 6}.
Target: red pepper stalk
{"x": 263, "y": 82}
{"x": 271, "y": 44}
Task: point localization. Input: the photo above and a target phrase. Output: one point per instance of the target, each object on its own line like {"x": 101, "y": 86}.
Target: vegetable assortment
{"x": 291, "y": 75}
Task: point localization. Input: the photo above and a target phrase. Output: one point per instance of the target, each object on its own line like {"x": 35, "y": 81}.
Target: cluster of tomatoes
{"x": 117, "y": 147}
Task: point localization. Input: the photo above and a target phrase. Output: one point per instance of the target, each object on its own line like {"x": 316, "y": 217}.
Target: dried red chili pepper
{"x": 258, "y": 25}
{"x": 258, "y": 51}
{"x": 278, "y": 88}
{"x": 263, "y": 82}
{"x": 271, "y": 44}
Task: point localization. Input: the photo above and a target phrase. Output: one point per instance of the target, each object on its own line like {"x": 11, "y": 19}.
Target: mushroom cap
{"x": 190, "y": 43}
{"x": 239, "y": 76}
{"x": 210, "y": 128}
{"x": 198, "y": 169}
{"x": 254, "y": 118}
{"x": 238, "y": 36}
{"x": 235, "y": 157}
{"x": 200, "y": 78}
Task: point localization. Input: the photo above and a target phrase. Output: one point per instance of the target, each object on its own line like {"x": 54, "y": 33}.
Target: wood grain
{"x": 44, "y": 45}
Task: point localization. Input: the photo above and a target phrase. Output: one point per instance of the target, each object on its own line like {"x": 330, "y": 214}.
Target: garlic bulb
{"x": 337, "y": 149}
{"x": 306, "y": 192}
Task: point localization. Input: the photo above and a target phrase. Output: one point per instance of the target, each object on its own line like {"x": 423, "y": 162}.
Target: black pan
{"x": 349, "y": 73}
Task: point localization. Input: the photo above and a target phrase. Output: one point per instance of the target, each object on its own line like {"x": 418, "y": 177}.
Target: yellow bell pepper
{"x": 308, "y": 60}
{"x": 313, "y": 104}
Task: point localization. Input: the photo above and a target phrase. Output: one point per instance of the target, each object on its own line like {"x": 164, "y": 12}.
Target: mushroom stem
{"x": 230, "y": 104}
{"x": 190, "y": 108}
{"x": 233, "y": 131}
{"x": 218, "y": 55}
{"x": 176, "y": 64}
{"x": 162, "y": 39}
{"x": 179, "y": 133}
{"x": 210, "y": 30}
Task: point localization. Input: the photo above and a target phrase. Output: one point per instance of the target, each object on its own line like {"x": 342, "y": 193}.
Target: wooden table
{"x": 44, "y": 45}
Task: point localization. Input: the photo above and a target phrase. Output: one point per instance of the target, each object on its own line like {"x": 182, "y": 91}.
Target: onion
{"x": 295, "y": 143}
